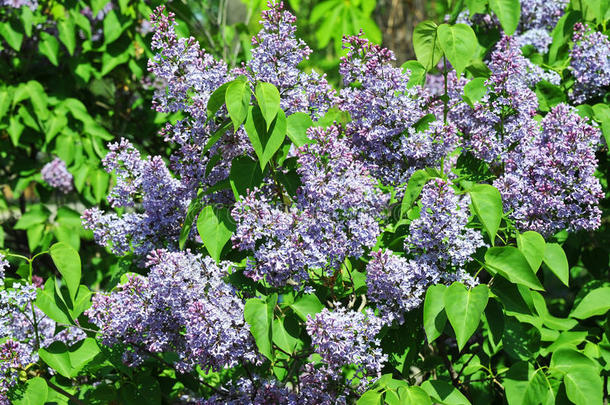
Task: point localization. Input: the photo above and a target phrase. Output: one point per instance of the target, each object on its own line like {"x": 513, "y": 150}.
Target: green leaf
{"x": 564, "y": 358}
{"x": 268, "y": 98}
{"x": 57, "y": 356}
{"x": 282, "y": 338}
{"x": 237, "y": 98}
{"x": 549, "y": 95}
{"x": 245, "y": 175}
{"x": 413, "y": 396}
{"x": 54, "y": 125}
{"x": 521, "y": 341}
{"x": 596, "y": 302}
{"x": 464, "y": 309}
{"x": 417, "y": 75}
{"x": 459, "y": 43}
{"x": 426, "y": 44}
{"x": 112, "y": 27}
{"x": 11, "y": 35}
{"x": 475, "y": 90}
{"x": 265, "y": 142}
{"x": 51, "y": 304}
{"x": 82, "y": 353}
{"x": 525, "y": 386}
{"x": 416, "y": 183}
{"x": 512, "y": 265}
{"x": 444, "y": 393}
{"x": 487, "y": 204}
{"x": 215, "y": 226}
{"x": 217, "y": 100}
{"x": 36, "y": 214}
{"x": 584, "y": 386}
{"x": 307, "y": 304}
{"x": 508, "y": 12}
{"x": 370, "y": 398}
{"x": 49, "y": 47}
{"x": 435, "y": 316}
{"x": 33, "y": 392}
{"x": 258, "y": 314}
{"x": 532, "y": 245}
{"x": 67, "y": 34}
{"x": 296, "y": 128}
{"x": 191, "y": 213}
{"x": 68, "y": 264}
{"x": 556, "y": 260}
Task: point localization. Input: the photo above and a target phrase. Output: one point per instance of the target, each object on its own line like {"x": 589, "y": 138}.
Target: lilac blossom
{"x": 334, "y": 216}
{"x": 144, "y": 184}
{"x": 276, "y": 54}
{"x": 397, "y": 285}
{"x": 57, "y": 175}
{"x": 440, "y": 237}
{"x": 550, "y": 184}
{"x": 182, "y": 306}
{"x": 24, "y": 329}
{"x": 589, "y": 63}
{"x": 505, "y": 115}
{"x": 344, "y": 337}
{"x": 382, "y": 108}
{"x": 31, "y": 4}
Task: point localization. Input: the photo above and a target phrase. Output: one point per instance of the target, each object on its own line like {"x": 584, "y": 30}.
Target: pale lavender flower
{"x": 335, "y": 215}
{"x": 182, "y": 306}
{"x": 589, "y": 63}
{"x": 344, "y": 337}
{"x": 550, "y": 184}
{"x": 397, "y": 285}
{"x": 440, "y": 237}
{"x": 57, "y": 175}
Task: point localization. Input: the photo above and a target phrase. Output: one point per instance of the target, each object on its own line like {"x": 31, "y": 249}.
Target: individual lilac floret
{"x": 550, "y": 185}
{"x": 348, "y": 338}
{"x": 145, "y": 184}
{"x": 334, "y": 216}
{"x": 439, "y": 236}
{"x": 183, "y": 306}
{"x": 397, "y": 285}
{"x": 381, "y": 106}
{"x": 57, "y": 175}
{"x": 589, "y": 63}
{"x": 276, "y": 54}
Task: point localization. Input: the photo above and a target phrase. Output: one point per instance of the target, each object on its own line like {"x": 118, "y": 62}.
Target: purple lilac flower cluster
{"x": 31, "y": 4}
{"x": 439, "y": 236}
{"x": 344, "y": 337}
{"x": 276, "y": 55}
{"x": 334, "y": 216}
{"x": 383, "y": 110}
{"x": 184, "y": 306}
{"x": 397, "y": 285}
{"x": 57, "y": 175}
{"x": 24, "y": 329}
{"x": 149, "y": 185}
{"x": 550, "y": 184}
{"x": 589, "y": 63}
{"x": 537, "y": 20}
{"x": 505, "y": 115}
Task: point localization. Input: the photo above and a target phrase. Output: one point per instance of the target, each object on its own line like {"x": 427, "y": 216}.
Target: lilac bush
{"x": 300, "y": 244}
